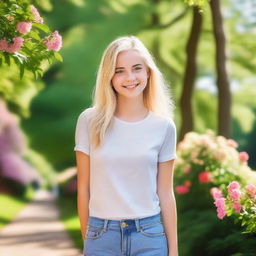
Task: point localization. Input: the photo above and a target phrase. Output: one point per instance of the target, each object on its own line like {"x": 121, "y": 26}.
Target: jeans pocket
{"x": 153, "y": 229}
{"x": 93, "y": 232}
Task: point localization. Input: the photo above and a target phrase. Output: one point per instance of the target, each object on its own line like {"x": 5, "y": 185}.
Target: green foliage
{"x": 196, "y": 2}
{"x": 18, "y": 93}
{"x": 199, "y": 3}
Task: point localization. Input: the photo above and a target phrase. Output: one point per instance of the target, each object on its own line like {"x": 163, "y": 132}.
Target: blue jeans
{"x": 127, "y": 237}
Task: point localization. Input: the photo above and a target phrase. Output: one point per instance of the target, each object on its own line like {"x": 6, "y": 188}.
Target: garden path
{"x": 37, "y": 231}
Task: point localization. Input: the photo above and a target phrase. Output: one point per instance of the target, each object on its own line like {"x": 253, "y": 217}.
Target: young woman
{"x": 125, "y": 151}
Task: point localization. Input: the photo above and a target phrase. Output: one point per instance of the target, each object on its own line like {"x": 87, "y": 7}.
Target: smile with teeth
{"x": 131, "y": 86}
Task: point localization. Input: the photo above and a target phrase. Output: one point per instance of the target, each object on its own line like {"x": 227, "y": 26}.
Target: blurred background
{"x": 205, "y": 50}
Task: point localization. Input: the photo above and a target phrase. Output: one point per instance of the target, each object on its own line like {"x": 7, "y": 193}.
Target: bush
{"x": 207, "y": 174}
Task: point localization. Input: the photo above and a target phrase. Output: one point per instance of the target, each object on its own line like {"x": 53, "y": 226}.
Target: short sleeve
{"x": 81, "y": 134}
{"x": 168, "y": 149}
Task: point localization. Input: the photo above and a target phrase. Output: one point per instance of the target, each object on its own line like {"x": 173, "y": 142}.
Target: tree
{"x": 224, "y": 94}
{"x": 190, "y": 74}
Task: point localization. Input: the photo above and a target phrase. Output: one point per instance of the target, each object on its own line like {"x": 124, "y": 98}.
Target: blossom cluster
{"x": 219, "y": 202}
{"x": 207, "y": 156}
{"x": 52, "y": 42}
{"x": 240, "y": 201}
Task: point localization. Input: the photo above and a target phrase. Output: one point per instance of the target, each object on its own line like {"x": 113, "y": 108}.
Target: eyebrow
{"x": 133, "y": 66}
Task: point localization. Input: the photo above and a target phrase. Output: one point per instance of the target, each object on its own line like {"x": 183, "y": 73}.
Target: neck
{"x": 130, "y": 108}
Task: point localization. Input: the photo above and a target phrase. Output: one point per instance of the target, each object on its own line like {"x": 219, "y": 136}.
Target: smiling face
{"x": 131, "y": 74}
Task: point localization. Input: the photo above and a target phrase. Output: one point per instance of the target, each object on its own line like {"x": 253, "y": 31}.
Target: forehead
{"x": 129, "y": 58}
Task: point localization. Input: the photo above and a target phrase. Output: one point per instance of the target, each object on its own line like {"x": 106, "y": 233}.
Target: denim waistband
{"x": 124, "y": 223}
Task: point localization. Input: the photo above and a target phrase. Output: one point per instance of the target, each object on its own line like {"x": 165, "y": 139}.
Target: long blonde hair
{"x": 157, "y": 95}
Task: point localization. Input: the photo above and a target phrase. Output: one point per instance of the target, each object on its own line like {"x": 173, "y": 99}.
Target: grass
{"x": 68, "y": 214}
{"x": 11, "y": 206}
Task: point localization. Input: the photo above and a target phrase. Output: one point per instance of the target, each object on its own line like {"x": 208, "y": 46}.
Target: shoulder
{"x": 86, "y": 113}
{"x": 163, "y": 121}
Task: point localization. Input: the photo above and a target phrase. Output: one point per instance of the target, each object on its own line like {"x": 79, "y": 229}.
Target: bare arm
{"x": 83, "y": 189}
{"x": 168, "y": 204}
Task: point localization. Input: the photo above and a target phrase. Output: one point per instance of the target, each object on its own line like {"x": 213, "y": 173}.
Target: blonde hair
{"x": 156, "y": 96}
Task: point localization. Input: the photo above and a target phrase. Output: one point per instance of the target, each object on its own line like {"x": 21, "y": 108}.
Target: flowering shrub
{"x": 23, "y": 39}
{"x": 239, "y": 202}
{"x": 206, "y": 165}
{"x": 13, "y": 167}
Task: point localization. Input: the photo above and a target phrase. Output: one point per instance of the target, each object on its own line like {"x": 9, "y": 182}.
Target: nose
{"x": 130, "y": 76}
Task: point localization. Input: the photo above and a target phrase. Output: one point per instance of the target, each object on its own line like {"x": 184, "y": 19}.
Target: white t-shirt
{"x": 123, "y": 171}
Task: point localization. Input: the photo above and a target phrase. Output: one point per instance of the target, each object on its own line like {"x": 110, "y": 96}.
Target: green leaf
{"x": 49, "y": 60}
{"x": 34, "y": 35}
{"x": 19, "y": 11}
{"x": 16, "y": 60}
{"x": 7, "y": 58}
{"x": 243, "y": 222}
{"x": 40, "y": 72}
{"x": 34, "y": 73}
{"x": 58, "y": 56}
{"x": 236, "y": 221}
{"x": 21, "y": 71}
{"x": 42, "y": 27}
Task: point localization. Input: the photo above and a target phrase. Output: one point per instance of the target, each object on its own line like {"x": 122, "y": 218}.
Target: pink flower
{"x": 251, "y": 189}
{"x": 221, "y": 213}
{"x": 234, "y": 190}
{"x": 16, "y": 45}
{"x": 204, "y": 177}
{"x": 24, "y": 27}
{"x": 220, "y": 202}
{"x": 237, "y": 206}
{"x": 53, "y": 41}
{"x": 3, "y": 44}
{"x": 216, "y": 193}
{"x": 37, "y": 16}
{"x": 243, "y": 156}
{"x": 232, "y": 143}
{"x": 221, "y": 210}
{"x": 233, "y": 185}
{"x": 235, "y": 194}
{"x": 182, "y": 189}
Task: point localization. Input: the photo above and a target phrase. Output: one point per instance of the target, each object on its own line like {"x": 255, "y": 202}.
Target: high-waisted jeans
{"x": 127, "y": 237}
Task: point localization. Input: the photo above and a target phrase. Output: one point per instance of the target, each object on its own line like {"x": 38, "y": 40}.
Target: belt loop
{"x": 105, "y": 225}
{"x": 137, "y": 223}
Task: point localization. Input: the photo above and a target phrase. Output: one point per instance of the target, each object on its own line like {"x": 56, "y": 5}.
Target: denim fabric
{"x": 127, "y": 237}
